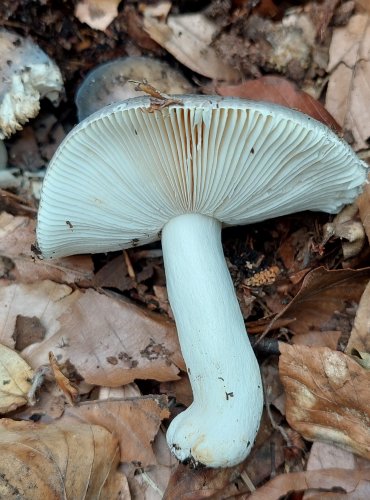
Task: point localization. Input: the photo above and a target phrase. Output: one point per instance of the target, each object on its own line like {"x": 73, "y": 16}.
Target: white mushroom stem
{"x": 219, "y": 428}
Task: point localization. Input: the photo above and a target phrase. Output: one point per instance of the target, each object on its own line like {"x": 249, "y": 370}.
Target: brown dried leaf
{"x": 348, "y": 90}
{"x": 74, "y": 461}
{"x": 363, "y": 203}
{"x": 281, "y": 91}
{"x": 188, "y": 37}
{"x": 98, "y": 14}
{"x": 15, "y": 380}
{"x": 328, "y": 480}
{"x": 134, "y": 422}
{"x": 360, "y": 334}
{"x": 112, "y": 342}
{"x": 323, "y": 294}
{"x": 364, "y": 4}
{"x": 44, "y": 300}
{"x": 194, "y": 484}
{"x": 327, "y": 396}
{"x": 114, "y": 275}
{"x": 149, "y": 483}
{"x": 328, "y": 456}
{"x": 17, "y": 235}
{"x": 314, "y": 338}
{"x": 65, "y": 385}
{"x": 180, "y": 389}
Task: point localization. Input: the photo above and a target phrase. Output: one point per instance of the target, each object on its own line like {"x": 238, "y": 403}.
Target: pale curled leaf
{"x": 348, "y": 89}
{"x": 134, "y": 421}
{"x": 188, "y": 38}
{"x": 327, "y": 396}
{"x": 360, "y": 334}
{"x": 71, "y": 462}
{"x": 69, "y": 389}
{"x": 112, "y": 342}
{"x": 15, "y": 380}
{"x": 98, "y": 14}
{"x": 363, "y": 203}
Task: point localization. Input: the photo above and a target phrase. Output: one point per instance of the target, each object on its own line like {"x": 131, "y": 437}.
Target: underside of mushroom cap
{"x": 125, "y": 171}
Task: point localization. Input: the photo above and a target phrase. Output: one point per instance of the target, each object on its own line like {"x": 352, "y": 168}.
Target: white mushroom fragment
{"x": 110, "y": 82}
{"x": 134, "y": 171}
{"x": 27, "y": 75}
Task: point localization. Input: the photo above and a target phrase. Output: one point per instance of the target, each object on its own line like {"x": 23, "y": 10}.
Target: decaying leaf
{"x": 345, "y": 225}
{"x": 324, "y": 294}
{"x": 65, "y": 385}
{"x": 17, "y": 237}
{"x": 360, "y": 334}
{"x": 349, "y": 481}
{"x": 180, "y": 389}
{"x": 203, "y": 483}
{"x": 363, "y": 203}
{"x": 149, "y": 483}
{"x": 98, "y": 14}
{"x": 15, "y": 380}
{"x": 348, "y": 89}
{"x": 281, "y": 91}
{"x": 112, "y": 342}
{"x": 44, "y": 300}
{"x": 134, "y": 422}
{"x": 188, "y": 37}
{"x": 55, "y": 461}
{"x": 328, "y": 456}
{"x": 327, "y": 396}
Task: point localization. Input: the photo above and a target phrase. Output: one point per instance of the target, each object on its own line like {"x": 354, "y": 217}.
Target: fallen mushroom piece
{"x": 139, "y": 169}
{"x": 110, "y": 82}
{"x": 27, "y": 75}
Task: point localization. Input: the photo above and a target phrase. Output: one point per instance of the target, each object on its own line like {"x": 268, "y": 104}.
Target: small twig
{"x": 130, "y": 269}
{"x": 247, "y": 481}
{"x": 275, "y": 426}
{"x": 147, "y": 479}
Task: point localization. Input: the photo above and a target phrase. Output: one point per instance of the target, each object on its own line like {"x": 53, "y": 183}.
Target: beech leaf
{"x": 323, "y": 293}
{"x": 348, "y": 90}
{"x": 112, "y": 342}
{"x": 56, "y": 461}
{"x": 360, "y": 334}
{"x": 44, "y": 300}
{"x": 134, "y": 421}
{"x": 15, "y": 380}
{"x": 327, "y": 395}
{"x": 17, "y": 237}
{"x": 350, "y": 481}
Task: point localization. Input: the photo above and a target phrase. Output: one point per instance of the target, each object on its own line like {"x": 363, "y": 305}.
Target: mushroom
{"x": 137, "y": 171}
{"x": 110, "y": 82}
{"x": 27, "y": 75}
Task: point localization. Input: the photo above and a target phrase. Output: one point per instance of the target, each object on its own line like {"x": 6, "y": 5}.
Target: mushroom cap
{"x": 109, "y": 82}
{"x": 125, "y": 171}
{"x": 27, "y": 75}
